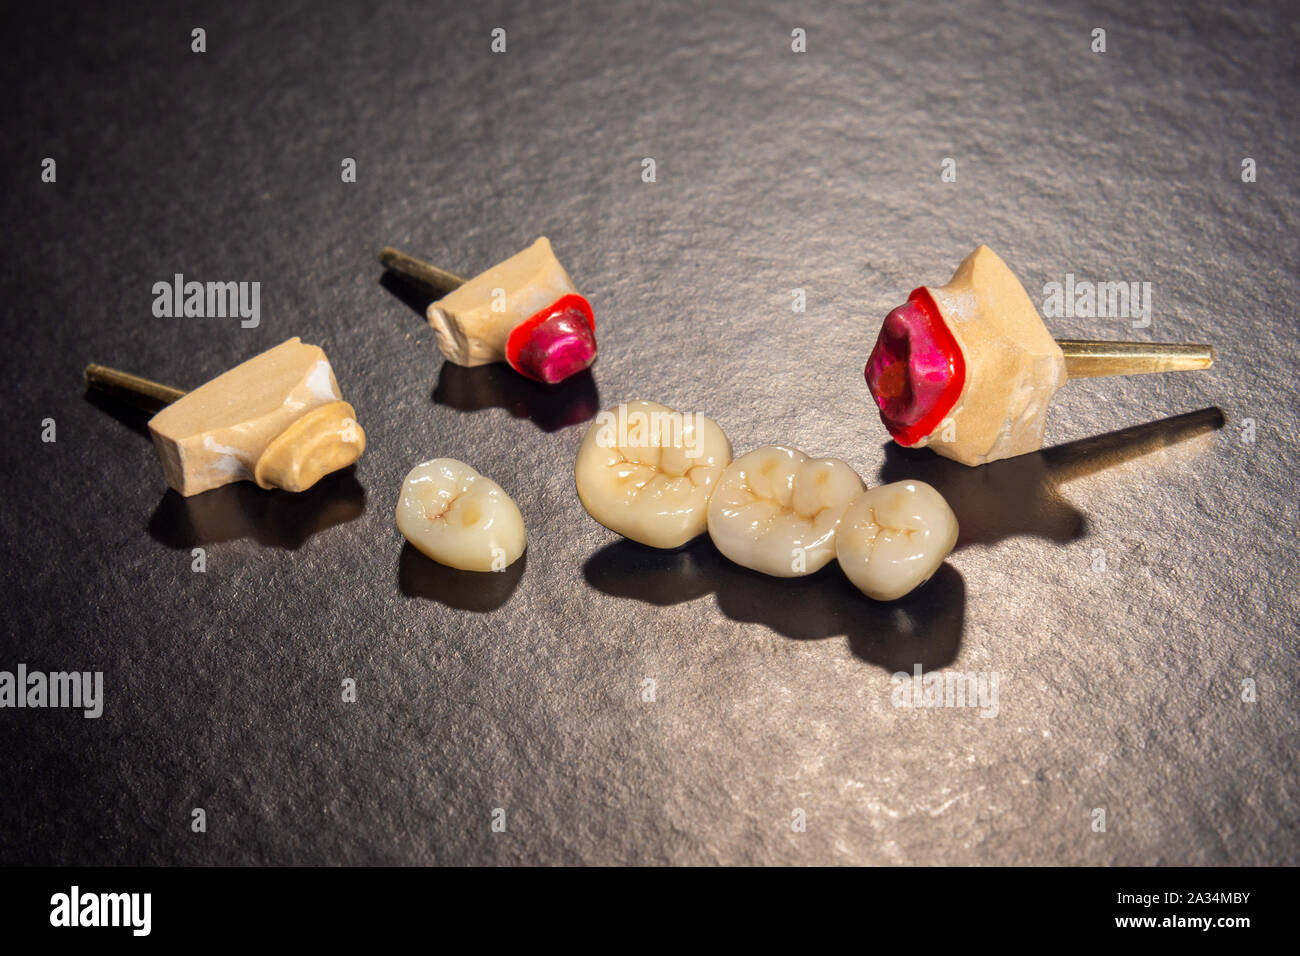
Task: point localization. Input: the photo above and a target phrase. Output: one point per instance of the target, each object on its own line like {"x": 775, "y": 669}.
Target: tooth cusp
{"x": 459, "y": 518}
{"x": 894, "y": 537}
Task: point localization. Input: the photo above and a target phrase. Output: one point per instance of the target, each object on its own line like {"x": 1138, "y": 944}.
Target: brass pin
{"x": 141, "y": 392}
{"x": 439, "y": 281}
{"x": 1085, "y": 359}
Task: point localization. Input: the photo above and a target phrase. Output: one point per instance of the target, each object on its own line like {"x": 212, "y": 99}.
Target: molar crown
{"x": 776, "y": 510}
{"x": 646, "y": 471}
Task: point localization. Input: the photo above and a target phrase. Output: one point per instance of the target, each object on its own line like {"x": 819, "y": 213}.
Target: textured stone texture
{"x": 1118, "y": 689}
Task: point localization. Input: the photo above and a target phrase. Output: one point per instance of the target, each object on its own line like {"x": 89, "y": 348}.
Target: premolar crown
{"x": 894, "y": 537}
{"x": 459, "y": 518}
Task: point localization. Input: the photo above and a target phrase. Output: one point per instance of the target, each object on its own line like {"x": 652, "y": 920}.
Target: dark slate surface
{"x": 1118, "y": 688}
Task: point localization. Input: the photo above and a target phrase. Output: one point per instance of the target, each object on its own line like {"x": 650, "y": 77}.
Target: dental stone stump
{"x": 968, "y": 369}
{"x": 277, "y": 419}
{"x": 524, "y": 311}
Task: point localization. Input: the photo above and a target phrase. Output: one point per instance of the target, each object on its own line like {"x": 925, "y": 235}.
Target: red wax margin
{"x": 522, "y": 332}
{"x": 943, "y": 336}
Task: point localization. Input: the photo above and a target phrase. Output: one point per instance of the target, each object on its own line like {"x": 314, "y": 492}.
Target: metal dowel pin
{"x": 1086, "y": 359}
{"x": 139, "y": 391}
{"x": 438, "y": 281}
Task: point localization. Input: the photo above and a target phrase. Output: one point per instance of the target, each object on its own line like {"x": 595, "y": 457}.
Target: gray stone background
{"x": 1119, "y": 689}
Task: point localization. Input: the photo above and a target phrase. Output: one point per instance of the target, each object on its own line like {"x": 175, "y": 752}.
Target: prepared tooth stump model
{"x": 524, "y": 311}
{"x": 277, "y": 419}
{"x": 969, "y": 369}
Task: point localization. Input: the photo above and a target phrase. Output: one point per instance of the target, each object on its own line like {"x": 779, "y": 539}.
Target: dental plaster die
{"x": 524, "y": 311}
{"x": 967, "y": 369}
{"x": 277, "y": 419}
